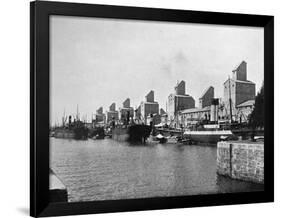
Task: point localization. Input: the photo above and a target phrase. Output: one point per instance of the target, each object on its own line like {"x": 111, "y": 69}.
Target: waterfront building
{"x": 209, "y": 113}
{"x": 215, "y": 112}
{"x": 112, "y": 107}
{"x": 162, "y": 111}
{"x": 203, "y": 112}
{"x": 148, "y": 107}
{"x": 112, "y": 113}
{"x": 100, "y": 116}
{"x": 244, "y": 110}
{"x": 163, "y": 117}
{"x": 125, "y": 111}
{"x": 178, "y": 101}
{"x": 237, "y": 90}
{"x": 154, "y": 118}
{"x": 138, "y": 113}
{"x": 194, "y": 115}
{"x": 100, "y": 110}
{"x": 206, "y": 98}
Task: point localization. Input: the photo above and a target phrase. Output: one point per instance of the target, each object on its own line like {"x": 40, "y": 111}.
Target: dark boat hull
{"x": 207, "y": 136}
{"x": 77, "y": 133}
{"x": 120, "y": 134}
{"x": 139, "y": 133}
{"x": 64, "y": 134}
{"x": 97, "y": 133}
{"x": 134, "y": 133}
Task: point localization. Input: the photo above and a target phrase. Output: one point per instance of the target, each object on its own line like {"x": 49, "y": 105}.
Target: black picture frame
{"x": 39, "y": 107}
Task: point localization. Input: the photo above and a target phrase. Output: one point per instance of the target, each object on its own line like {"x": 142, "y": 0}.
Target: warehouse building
{"x": 149, "y": 107}
{"x": 112, "y": 114}
{"x": 178, "y": 101}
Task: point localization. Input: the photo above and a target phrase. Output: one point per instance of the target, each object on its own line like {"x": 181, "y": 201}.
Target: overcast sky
{"x": 95, "y": 62}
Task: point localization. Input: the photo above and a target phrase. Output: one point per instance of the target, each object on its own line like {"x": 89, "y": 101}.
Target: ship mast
{"x": 230, "y": 103}
{"x": 77, "y": 113}
{"x": 63, "y": 118}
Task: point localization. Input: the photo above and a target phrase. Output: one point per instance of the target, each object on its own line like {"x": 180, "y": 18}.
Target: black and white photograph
{"x": 143, "y": 109}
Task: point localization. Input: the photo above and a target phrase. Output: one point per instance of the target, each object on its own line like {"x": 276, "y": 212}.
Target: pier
{"x": 242, "y": 160}
{"x": 58, "y": 191}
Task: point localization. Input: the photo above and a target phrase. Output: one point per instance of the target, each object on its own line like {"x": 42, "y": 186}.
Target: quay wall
{"x": 241, "y": 160}
{"x": 58, "y": 191}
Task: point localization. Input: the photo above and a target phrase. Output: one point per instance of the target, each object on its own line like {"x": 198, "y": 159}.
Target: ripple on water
{"x": 107, "y": 169}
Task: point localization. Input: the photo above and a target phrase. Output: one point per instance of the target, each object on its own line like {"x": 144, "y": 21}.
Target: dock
{"x": 242, "y": 160}
{"x": 58, "y": 191}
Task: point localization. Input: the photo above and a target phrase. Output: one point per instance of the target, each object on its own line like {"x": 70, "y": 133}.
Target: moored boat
{"x": 172, "y": 140}
{"x": 97, "y": 133}
{"x": 80, "y": 132}
{"x": 73, "y": 130}
{"x": 64, "y": 133}
{"x": 161, "y": 138}
{"x": 208, "y": 135}
{"x": 120, "y": 133}
{"x": 137, "y": 133}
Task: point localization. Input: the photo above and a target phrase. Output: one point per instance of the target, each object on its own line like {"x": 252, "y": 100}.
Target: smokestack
{"x": 214, "y": 109}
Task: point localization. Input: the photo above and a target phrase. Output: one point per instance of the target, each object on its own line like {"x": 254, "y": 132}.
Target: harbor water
{"x": 107, "y": 169}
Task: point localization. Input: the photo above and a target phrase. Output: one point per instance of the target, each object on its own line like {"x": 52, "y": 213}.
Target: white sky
{"x": 95, "y": 62}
